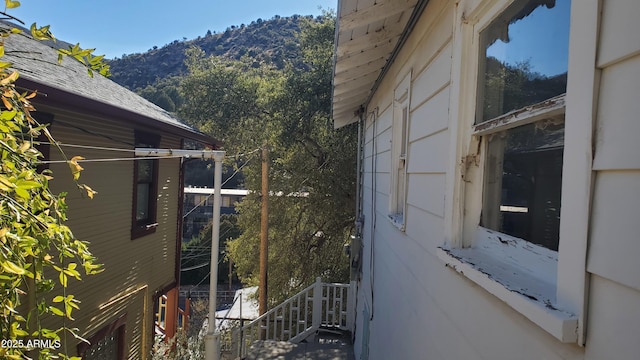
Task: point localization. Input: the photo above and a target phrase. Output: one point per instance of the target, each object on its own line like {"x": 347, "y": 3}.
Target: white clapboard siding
{"x": 619, "y": 31}
{"x": 420, "y": 308}
{"x": 436, "y": 76}
{"x": 617, "y": 145}
{"x": 615, "y": 244}
{"x": 614, "y": 321}
{"x": 431, "y": 116}
{"x": 429, "y": 154}
{"x": 614, "y": 293}
{"x": 426, "y": 191}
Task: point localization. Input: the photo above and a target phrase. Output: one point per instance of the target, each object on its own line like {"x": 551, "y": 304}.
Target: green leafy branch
{"x": 38, "y": 252}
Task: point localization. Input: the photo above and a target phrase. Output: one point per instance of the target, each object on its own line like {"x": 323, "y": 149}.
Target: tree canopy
{"x": 312, "y": 167}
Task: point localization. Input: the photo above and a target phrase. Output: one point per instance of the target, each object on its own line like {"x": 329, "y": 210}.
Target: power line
{"x": 102, "y": 148}
{"x": 245, "y": 154}
{"x": 124, "y": 159}
{"x": 195, "y": 267}
{"x": 200, "y": 248}
{"x": 87, "y": 147}
{"x": 112, "y": 159}
{"x": 226, "y": 181}
{"x": 205, "y": 277}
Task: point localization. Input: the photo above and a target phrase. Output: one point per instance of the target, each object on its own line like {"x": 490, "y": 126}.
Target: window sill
{"x": 528, "y": 293}
{"x": 397, "y": 220}
{"x": 140, "y": 231}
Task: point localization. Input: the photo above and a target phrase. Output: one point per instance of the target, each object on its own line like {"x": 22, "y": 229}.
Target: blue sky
{"x": 541, "y": 38}
{"x": 122, "y": 27}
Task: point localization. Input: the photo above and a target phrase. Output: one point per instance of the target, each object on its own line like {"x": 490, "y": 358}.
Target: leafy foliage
{"x": 38, "y": 253}
{"x": 186, "y": 344}
{"x": 509, "y": 87}
{"x": 198, "y": 251}
{"x": 164, "y": 93}
{"x": 235, "y": 95}
{"x": 312, "y": 165}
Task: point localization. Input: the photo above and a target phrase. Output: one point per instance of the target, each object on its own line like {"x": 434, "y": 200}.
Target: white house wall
{"x": 614, "y": 297}
{"x": 422, "y": 310}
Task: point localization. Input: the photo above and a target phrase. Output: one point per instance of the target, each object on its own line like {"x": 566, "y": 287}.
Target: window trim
{"x": 547, "y": 109}
{"x": 118, "y": 325}
{"x": 400, "y": 140}
{"x": 512, "y": 269}
{"x": 559, "y": 323}
{"x": 467, "y": 154}
{"x": 139, "y": 229}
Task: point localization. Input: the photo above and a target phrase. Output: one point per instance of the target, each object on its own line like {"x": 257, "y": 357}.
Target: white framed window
{"x": 399, "y": 152}
{"x": 509, "y": 235}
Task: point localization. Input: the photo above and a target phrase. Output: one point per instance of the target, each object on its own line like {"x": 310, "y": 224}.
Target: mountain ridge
{"x": 266, "y": 41}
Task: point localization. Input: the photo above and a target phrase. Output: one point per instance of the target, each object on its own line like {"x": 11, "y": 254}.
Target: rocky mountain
{"x": 266, "y": 41}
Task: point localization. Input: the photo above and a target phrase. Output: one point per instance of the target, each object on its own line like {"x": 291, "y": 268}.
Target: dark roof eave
{"x": 85, "y": 105}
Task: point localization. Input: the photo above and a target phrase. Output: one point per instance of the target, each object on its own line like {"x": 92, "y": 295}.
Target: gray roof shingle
{"x": 37, "y": 62}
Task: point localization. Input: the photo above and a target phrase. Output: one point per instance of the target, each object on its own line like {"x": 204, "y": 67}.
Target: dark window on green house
{"x": 145, "y": 188}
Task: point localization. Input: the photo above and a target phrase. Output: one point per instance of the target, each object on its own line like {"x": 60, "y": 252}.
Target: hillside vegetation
{"x": 266, "y": 85}
{"x": 264, "y": 41}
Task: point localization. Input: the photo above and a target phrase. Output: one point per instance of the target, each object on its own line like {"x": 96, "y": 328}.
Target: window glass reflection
{"x": 145, "y": 171}
{"x": 524, "y": 181}
{"x": 524, "y": 57}
{"x": 142, "y": 205}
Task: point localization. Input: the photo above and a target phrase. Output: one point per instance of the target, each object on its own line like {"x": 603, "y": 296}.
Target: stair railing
{"x": 321, "y": 304}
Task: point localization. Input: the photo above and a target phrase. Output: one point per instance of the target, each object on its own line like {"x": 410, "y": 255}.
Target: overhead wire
{"x": 196, "y": 248}
{"x": 205, "y": 277}
{"x": 87, "y": 147}
{"x": 245, "y": 154}
{"x": 226, "y": 181}
{"x": 102, "y": 148}
{"x": 113, "y": 159}
{"x": 195, "y": 266}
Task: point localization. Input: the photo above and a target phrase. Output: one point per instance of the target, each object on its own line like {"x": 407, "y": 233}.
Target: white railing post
{"x": 316, "y": 319}
{"x": 241, "y": 342}
{"x": 309, "y": 309}
{"x": 351, "y": 304}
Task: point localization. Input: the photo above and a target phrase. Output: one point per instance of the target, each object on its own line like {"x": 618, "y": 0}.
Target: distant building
{"x": 198, "y": 207}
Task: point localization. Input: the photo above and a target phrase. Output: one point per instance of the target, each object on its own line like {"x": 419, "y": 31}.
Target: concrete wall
{"x": 419, "y": 309}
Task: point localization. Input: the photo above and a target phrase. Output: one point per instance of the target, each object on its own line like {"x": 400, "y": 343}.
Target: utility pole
{"x": 264, "y": 231}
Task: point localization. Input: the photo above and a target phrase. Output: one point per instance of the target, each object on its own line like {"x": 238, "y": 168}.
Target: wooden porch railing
{"x": 170, "y": 317}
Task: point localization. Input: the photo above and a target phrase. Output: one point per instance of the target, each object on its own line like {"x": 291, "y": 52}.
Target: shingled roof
{"x": 68, "y": 83}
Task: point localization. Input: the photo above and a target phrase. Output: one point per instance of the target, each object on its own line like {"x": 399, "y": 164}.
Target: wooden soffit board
{"x": 367, "y": 34}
